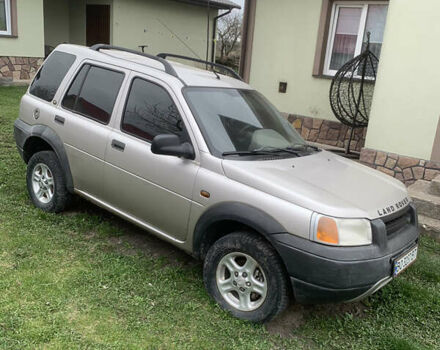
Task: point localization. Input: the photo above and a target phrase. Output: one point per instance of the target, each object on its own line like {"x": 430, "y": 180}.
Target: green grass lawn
{"x": 86, "y": 279}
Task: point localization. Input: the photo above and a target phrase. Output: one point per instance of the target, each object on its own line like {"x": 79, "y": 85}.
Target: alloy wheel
{"x": 241, "y": 281}
{"x": 43, "y": 183}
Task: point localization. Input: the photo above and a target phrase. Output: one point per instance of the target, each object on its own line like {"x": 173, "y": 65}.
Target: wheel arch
{"x": 35, "y": 144}
{"x": 36, "y": 138}
{"x": 224, "y": 218}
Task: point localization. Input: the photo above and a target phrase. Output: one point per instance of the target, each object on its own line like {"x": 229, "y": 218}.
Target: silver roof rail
{"x": 168, "y": 67}
{"x": 212, "y": 64}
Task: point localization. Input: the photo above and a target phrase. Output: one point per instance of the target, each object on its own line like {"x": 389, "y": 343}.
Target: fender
{"x": 23, "y": 132}
{"x": 241, "y": 213}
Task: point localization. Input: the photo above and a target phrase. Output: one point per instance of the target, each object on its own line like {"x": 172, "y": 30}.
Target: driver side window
{"x": 150, "y": 111}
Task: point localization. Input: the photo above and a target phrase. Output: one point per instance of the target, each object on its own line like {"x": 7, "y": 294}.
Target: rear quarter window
{"x": 49, "y": 77}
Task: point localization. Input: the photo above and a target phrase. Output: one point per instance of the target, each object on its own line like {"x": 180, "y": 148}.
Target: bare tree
{"x": 229, "y": 34}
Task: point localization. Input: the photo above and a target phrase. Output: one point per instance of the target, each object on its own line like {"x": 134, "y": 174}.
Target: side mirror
{"x": 170, "y": 145}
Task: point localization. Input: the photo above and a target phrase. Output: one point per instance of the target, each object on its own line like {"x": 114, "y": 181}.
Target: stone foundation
{"x": 406, "y": 169}
{"x": 18, "y": 69}
{"x": 327, "y": 132}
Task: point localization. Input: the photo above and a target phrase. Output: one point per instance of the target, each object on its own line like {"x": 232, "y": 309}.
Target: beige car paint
{"x": 162, "y": 193}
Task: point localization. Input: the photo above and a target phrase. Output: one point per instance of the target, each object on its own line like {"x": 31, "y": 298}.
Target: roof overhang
{"x": 215, "y": 4}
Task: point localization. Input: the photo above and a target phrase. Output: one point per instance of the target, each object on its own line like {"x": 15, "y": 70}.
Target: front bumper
{"x": 322, "y": 274}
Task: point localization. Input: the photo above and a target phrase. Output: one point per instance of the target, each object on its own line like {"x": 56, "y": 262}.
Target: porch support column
{"x": 247, "y": 38}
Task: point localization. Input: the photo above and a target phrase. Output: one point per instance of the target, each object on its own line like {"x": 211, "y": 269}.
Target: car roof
{"x": 187, "y": 75}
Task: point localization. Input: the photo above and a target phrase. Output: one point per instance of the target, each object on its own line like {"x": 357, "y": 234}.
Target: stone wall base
{"x": 406, "y": 169}
{"x": 327, "y": 132}
{"x": 18, "y": 69}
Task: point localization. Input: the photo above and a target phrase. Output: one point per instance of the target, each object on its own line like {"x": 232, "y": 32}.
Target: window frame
{"x": 127, "y": 96}
{"x": 77, "y": 72}
{"x": 8, "y": 16}
{"x": 327, "y": 28}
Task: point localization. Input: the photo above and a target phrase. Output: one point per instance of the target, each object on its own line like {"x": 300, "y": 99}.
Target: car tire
{"x": 255, "y": 288}
{"x": 46, "y": 182}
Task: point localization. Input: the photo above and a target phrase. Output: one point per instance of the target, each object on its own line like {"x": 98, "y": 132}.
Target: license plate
{"x": 402, "y": 262}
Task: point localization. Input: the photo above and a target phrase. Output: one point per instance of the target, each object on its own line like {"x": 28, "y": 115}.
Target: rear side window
{"x": 150, "y": 111}
{"x": 50, "y": 76}
{"x": 93, "y": 92}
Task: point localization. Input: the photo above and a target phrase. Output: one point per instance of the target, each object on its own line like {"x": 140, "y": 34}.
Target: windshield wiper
{"x": 275, "y": 150}
{"x": 247, "y": 153}
{"x": 263, "y": 151}
{"x": 305, "y": 146}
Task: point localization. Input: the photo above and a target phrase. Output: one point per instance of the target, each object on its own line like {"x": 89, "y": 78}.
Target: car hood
{"x": 325, "y": 183}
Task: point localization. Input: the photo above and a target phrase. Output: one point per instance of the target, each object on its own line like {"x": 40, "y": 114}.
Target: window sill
{"x": 323, "y": 76}
{"x": 11, "y": 36}
{"x": 330, "y": 77}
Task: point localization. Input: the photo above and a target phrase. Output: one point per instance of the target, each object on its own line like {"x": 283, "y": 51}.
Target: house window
{"x": 5, "y": 17}
{"x": 350, "y": 22}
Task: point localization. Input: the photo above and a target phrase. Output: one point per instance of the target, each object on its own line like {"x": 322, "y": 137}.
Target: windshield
{"x": 234, "y": 121}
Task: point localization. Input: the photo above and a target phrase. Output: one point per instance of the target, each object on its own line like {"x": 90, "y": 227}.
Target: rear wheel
{"x": 46, "y": 183}
{"x": 244, "y": 274}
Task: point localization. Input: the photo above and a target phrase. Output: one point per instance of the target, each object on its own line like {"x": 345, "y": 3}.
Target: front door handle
{"x": 118, "y": 145}
{"x": 60, "y": 120}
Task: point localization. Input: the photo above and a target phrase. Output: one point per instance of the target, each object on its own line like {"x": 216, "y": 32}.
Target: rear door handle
{"x": 118, "y": 145}
{"x": 60, "y": 120}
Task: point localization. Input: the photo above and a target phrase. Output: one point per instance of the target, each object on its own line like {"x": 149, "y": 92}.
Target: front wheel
{"x": 244, "y": 274}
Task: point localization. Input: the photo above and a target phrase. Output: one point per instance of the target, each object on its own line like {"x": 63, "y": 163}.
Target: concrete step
{"x": 429, "y": 227}
{"x": 427, "y": 204}
{"x": 434, "y": 187}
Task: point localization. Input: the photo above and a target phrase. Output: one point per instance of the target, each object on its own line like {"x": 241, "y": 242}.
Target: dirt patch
{"x": 70, "y": 213}
{"x": 136, "y": 241}
{"x": 131, "y": 240}
{"x": 90, "y": 235}
{"x": 296, "y": 315}
{"x": 288, "y": 321}
{"x": 355, "y": 309}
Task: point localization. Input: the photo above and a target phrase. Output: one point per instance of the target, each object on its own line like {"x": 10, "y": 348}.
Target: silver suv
{"x": 205, "y": 162}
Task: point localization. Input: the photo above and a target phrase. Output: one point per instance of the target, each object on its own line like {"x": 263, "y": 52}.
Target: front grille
{"x": 394, "y": 224}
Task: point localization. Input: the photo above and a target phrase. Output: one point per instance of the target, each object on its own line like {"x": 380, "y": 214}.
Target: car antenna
{"x": 178, "y": 38}
{"x": 216, "y": 73}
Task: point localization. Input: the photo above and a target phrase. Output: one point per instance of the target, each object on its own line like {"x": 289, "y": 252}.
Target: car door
{"x": 82, "y": 121}
{"x": 155, "y": 189}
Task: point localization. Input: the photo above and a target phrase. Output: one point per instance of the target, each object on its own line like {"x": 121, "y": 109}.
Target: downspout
{"x": 214, "y": 33}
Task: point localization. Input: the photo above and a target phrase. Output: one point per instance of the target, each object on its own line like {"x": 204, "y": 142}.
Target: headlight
{"x": 341, "y": 232}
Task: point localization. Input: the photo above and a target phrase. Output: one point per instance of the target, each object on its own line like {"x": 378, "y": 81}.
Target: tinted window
{"x": 93, "y": 92}
{"x": 150, "y": 111}
{"x": 70, "y": 99}
{"x": 50, "y": 76}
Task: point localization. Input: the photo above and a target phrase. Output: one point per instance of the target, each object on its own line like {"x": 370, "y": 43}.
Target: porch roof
{"x": 217, "y": 4}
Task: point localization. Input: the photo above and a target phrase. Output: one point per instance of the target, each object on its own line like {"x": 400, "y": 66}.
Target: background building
{"x": 29, "y": 29}
{"x": 303, "y": 43}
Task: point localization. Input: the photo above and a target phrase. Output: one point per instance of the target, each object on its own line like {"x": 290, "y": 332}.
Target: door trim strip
{"x": 128, "y": 217}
